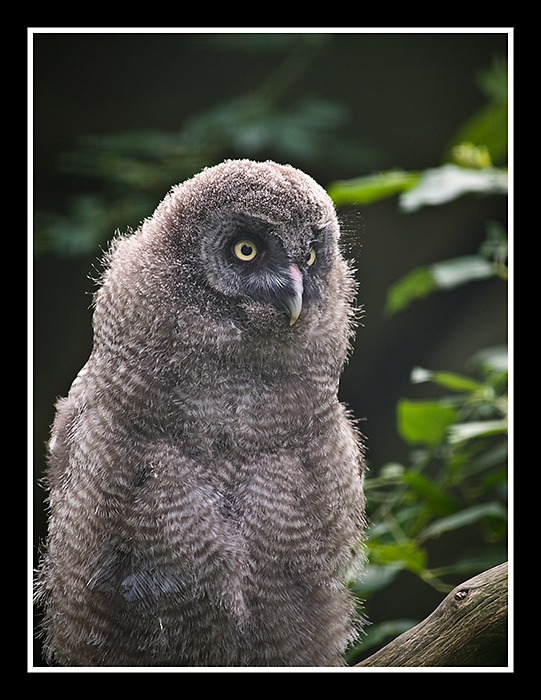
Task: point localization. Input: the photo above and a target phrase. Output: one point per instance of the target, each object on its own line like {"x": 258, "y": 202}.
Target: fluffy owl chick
{"x": 205, "y": 482}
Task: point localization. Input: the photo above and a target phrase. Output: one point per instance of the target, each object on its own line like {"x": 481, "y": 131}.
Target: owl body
{"x": 205, "y": 482}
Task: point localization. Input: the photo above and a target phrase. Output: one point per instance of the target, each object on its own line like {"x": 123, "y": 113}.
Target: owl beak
{"x": 294, "y": 301}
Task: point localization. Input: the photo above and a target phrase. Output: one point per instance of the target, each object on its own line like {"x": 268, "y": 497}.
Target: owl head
{"x": 242, "y": 250}
{"x": 260, "y": 236}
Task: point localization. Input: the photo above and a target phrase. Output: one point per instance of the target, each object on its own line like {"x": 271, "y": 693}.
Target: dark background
{"x": 405, "y": 95}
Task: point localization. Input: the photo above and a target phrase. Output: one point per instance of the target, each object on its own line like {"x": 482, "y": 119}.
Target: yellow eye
{"x": 311, "y": 257}
{"x": 245, "y": 250}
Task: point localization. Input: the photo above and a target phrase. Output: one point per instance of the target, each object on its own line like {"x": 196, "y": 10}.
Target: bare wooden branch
{"x": 469, "y": 628}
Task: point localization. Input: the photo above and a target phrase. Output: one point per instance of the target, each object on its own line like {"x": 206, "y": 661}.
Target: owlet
{"x": 205, "y": 482}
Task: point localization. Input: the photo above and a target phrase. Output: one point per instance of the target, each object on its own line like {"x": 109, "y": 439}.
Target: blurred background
{"x": 120, "y": 117}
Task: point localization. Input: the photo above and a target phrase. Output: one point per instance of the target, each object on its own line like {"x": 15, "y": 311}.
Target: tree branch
{"x": 469, "y": 628}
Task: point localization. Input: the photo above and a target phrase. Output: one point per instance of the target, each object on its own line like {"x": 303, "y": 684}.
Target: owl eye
{"x": 245, "y": 250}
{"x": 311, "y": 257}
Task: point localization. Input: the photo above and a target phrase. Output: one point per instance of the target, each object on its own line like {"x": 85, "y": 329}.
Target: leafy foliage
{"x": 457, "y": 479}
{"x": 448, "y": 274}
{"x": 417, "y": 189}
{"x": 457, "y": 475}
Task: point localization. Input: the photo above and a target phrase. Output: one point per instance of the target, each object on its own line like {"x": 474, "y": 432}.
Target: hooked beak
{"x": 293, "y": 302}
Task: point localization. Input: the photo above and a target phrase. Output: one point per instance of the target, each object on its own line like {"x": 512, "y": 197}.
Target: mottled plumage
{"x": 205, "y": 482}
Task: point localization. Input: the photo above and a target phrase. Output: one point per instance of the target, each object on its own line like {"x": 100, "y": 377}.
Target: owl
{"x": 205, "y": 483}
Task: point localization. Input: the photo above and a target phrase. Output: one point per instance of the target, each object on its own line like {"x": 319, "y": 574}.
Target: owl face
{"x": 253, "y": 259}
{"x": 243, "y": 247}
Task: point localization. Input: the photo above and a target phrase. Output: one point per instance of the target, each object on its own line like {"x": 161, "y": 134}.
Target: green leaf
{"x": 463, "y": 518}
{"x": 493, "y": 359}
{"x": 457, "y": 271}
{"x": 449, "y": 181}
{"x": 417, "y": 284}
{"x": 372, "y": 187}
{"x": 444, "y": 275}
{"x": 469, "y": 155}
{"x": 487, "y": 127}
{"x": 424, "y": 422}
{"x": 407, "y": 553}
{"x": 466, "y": 431}
{"x": 435, "y": 497}
{"x": 448, "y": 380}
